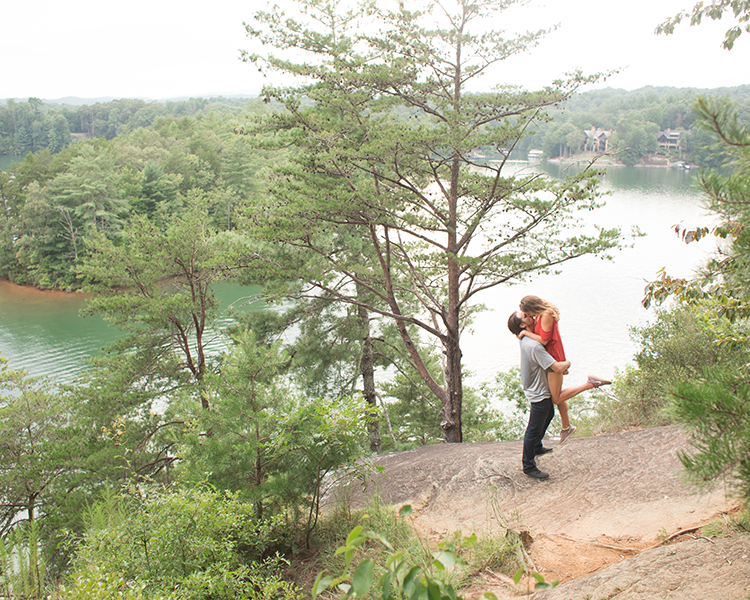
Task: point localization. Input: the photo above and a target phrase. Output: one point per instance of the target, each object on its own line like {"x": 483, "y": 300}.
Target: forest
{"x": 635, "y": 118}
{"x": 166, "y": 471}
{"x": 133, "y": 157}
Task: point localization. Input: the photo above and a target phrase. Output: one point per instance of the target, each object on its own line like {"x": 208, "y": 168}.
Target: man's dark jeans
{"x": 540, "y": 417}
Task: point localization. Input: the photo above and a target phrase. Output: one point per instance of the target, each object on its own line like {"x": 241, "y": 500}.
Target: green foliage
{"x": 677, "y": 347}
{"x": 56, "y": 203}
{"x": 22, "y": 569}
{"x": 716, "y": 411}
{"x": 262, "y": 440}
{"x": 257, "y": 582}
{"x": 716, "y": 9}
{"x": 485, "y": 419}
{"x": 94, "y": 583}
{"x": 393, "y": 547}
{"x": 38, "y": 447}
{"x": 396, "y": 576}
{"x": 157, "y": 287}
{"x": 182, "y": 543}
{"x": 728, "y": 524}
{"x": 33, "y": 126}
{"x": 324, "y": 343}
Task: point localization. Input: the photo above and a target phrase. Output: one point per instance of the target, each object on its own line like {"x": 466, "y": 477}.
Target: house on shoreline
{"x": 670, "y": 139}
{"x": 597, "y": 140}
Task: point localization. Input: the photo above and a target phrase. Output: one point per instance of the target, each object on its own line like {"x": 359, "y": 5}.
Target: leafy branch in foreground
{"x": 724, "y": 280}
{"x": 401, "y": 578}
{"x": 715, "y": 10}
{"x": 398, "y": 575}
{"x": 717, "y": 410}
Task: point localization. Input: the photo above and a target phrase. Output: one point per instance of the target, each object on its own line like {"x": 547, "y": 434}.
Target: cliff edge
{"x": 599, "y": 524}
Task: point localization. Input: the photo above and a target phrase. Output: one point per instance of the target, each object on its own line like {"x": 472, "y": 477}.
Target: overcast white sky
{"x": 163, "y": 49}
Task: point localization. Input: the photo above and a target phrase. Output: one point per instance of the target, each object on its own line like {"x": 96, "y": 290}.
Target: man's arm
{"x": 560, "y": 366}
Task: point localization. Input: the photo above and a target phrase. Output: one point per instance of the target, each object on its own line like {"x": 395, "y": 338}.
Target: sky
{"x": 162, "y": 49}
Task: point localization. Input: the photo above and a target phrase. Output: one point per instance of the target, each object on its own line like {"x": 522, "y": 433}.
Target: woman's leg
{"x": 569, "y": 392}
{"x": 555, "y": 383}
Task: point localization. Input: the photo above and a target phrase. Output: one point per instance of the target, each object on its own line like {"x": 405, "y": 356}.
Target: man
{"x": 535, "y": 361}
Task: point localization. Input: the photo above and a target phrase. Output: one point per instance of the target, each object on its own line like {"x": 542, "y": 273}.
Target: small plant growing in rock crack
{"x": 400, "y": 578}
{"x": 540, "y": 584}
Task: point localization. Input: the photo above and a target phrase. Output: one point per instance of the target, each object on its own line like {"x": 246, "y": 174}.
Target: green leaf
{"x": 397, "y": 556}
{"x": 445, "y": 560}
{"x": 538, "y": 577}
{"x": 411, "y": 581}
{"x": 518, "y": 575}
{"x": 385, "y": 587}
{"x": 354, "y": 535}
{"x": 543, "y": 586}
{"x": 433, "y": 591}
{"x": 322, "y": 582}
{"x": 362, "y": 580}
{"x": 405, "y": 510}
{"x": 374, "y": 535}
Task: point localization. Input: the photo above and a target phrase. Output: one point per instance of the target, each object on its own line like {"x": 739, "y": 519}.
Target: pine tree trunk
{"x": 367, "y": 369}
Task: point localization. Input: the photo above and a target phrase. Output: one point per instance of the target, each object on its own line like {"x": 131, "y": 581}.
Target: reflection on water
{"x": 43, "y": 332}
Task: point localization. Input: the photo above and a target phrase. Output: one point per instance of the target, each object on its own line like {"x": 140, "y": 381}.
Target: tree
{"x": 718, "y": 411}
{"x": 44, "y": 241}
{"x": 36, "y": 445}
{"x": 265, "y": 441}
{"x": 715, "y": 405}
{"x": 385, "y": 133}
{"x": 335, "y": 351}
{"x": 157, "y": 287}
{"x": 87, "y": 193}
{"x": 715, "y": 10}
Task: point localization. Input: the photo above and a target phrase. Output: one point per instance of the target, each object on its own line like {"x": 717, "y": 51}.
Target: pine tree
{"x": 386, "y": 136}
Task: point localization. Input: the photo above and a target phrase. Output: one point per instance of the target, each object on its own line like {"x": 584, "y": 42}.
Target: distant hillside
{"x": 634, "y": 118}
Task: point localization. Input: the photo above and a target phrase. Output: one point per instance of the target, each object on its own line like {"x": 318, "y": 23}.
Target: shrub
{"x": 677, "y": 347}
{"x": 716, "y": 412}
{"x": 95, "y": 584}
{"x": 22, "y": 570}
{"x": 184, "y": 543}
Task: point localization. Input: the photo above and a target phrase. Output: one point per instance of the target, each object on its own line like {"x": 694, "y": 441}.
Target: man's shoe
{"x": 566, "y": 433}
{"x": 598, "y": 381}
{"x": 543, "y": 451}
{"x": 537, "y": 474}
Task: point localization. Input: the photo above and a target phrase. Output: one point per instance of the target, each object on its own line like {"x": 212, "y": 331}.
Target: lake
{"x": 43, "y": 332}
{"x": 599, "y": 301}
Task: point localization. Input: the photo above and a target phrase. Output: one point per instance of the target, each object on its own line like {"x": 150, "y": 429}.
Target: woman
{"x": 546, "y": 315}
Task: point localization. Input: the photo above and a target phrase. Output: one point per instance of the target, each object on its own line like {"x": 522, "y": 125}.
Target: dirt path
{"x": 608, "y": 499}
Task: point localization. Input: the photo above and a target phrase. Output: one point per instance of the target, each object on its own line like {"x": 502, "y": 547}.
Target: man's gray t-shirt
{"x": 535, "y": 360}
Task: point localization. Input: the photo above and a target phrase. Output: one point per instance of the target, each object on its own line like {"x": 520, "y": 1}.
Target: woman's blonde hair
{"x": 535, "y": 306}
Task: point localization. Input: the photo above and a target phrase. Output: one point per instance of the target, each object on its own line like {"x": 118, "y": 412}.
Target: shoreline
{"x": 608, "y": 162}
